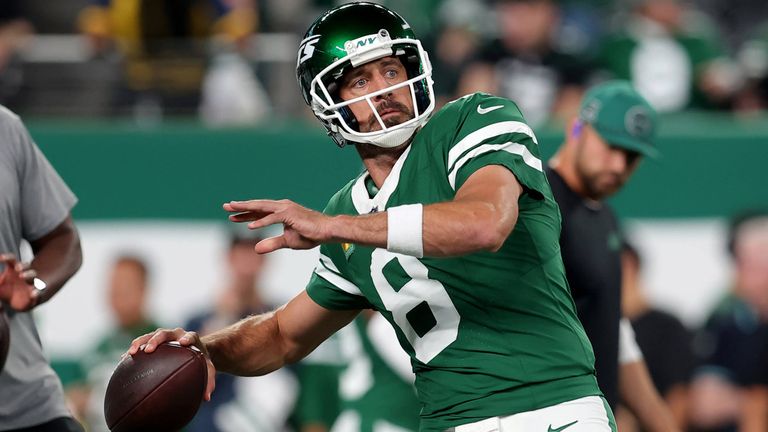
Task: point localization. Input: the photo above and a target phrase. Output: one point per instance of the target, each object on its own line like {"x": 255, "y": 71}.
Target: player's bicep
{"x": 497, "y": 187}
{"x": 304, "y": 324}
{"x": 492, "y": 183}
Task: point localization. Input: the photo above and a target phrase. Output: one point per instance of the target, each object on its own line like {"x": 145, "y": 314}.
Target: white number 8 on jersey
{"x": 420, "y": 300}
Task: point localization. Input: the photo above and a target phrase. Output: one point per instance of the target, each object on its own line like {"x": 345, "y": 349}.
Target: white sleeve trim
{"x": 629, "y": 351}
{"x": 509, "y": 147}
{"x": 485, "y": 133}
{"x": 326, "y": 270}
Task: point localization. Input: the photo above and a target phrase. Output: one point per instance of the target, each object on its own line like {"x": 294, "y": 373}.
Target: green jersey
{"x": 489, "y": 333}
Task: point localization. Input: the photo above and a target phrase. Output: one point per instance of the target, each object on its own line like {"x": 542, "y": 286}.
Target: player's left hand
{"x": 17, "y": 284}
{"x": 302, "y": 228}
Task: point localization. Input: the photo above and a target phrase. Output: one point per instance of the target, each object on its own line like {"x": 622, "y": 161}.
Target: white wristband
{"x": 404, "y": 230}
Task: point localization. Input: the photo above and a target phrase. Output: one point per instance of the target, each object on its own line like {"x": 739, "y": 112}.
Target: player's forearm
{"x": 458, "y": 228}
{"x": 448, "y": 229}
{"x": 754, "y": 411}
{"x": 641, "y": 397}
{"x": 251, "y": 347}
{"x": 57, "y": 257}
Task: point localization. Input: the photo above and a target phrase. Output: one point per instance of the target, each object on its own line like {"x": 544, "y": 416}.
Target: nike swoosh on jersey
{"x": 550, "y": 429}
{"x": 481, "y": 110}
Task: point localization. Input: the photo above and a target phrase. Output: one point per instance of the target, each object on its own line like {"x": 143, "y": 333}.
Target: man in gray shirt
{"x": 35, "y": 205}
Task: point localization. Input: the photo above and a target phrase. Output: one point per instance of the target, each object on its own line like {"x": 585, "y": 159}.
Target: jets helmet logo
{"x": 306, "y": 49}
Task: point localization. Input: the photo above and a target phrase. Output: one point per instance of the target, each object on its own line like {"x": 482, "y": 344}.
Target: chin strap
{"x": 388, "y": 139}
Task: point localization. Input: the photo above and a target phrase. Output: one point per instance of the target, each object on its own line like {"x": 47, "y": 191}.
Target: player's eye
{"x": 359, "y": 83}
{"x": 391, "y": 74}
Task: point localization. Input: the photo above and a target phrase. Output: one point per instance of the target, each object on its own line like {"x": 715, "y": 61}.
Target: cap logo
{"x": 590, "y": 111}
{"x": 638, "y": 122}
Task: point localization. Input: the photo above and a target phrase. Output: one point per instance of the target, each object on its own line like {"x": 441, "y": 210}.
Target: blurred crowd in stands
{"x": 232, "y": 61}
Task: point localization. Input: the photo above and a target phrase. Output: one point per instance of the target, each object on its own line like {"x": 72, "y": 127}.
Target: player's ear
{"x": 576, "y": 127}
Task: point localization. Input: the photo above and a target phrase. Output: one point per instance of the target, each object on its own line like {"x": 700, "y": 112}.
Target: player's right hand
{"x": 150, "y": 341}
{"x": 303, "y": 228}
{"x": 16, "y": 284}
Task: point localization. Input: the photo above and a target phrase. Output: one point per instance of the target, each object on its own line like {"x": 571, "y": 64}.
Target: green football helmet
{"x": 346, "y": 37}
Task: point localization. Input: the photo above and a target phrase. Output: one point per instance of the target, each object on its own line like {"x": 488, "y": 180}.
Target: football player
{"x": 451, "y": 233}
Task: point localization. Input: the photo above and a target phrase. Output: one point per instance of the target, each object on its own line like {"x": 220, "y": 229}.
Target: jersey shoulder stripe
{"x": 509, "y": 147}
{"x": 491, "y": 130}
{"x": 328, "y": 271}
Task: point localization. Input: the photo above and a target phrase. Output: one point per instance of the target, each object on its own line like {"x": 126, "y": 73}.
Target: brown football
{"x": 5, "y": 337}
{"x": 158, "y": 392}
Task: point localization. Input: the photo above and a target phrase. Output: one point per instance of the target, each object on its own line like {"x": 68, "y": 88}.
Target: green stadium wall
{"x": 712, "y": 166}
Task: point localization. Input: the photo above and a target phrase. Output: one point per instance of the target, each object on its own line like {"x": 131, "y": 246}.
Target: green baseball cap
{"x": 621, "y": 116}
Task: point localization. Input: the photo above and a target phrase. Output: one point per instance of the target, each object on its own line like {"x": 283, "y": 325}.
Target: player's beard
{"x": 597, "y": 184}
{"x": 403, "y": 116}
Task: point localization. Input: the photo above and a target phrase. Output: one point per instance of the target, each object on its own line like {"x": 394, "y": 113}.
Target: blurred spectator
{"x": 527, "y": 64}
{"x": 670, "y": 58}
{"x": 231, "y": 408}
{"x": 730, "y": 388}
{"x": 665, "y": 342}
{"x": 163, "y": 44}
{"x": 231, "y": 93}
{"x": 128, "y": 289}
{"x": 583, "y": 23}
{"x": 753, "y": 59}
{"x": 457, "y": 41}
{"x": 737, "y": 19}
{"x": 15, "y": 30}
{"x": 376, "y": 388}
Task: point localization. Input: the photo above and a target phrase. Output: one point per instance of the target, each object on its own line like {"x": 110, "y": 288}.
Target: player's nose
{"x": 379, "y": 82}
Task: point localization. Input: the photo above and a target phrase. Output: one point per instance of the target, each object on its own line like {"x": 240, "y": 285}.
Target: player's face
{"x": 394, "y": 107}
{"x": 752, "y": 267}
{"x": 602, "y": 168}
{"x": 244, "y": 262}
{"x": 126, "y": 294}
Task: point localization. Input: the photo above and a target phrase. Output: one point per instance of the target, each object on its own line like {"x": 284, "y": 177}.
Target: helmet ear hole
{"x": 346, "y": 114}
{"x": 349, "y": 118}
{"x": 422, "y": 96}
{"x": 412, "y": 63}
{"x": 333, "y": 90}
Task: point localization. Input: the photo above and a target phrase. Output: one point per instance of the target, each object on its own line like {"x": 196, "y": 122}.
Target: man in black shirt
{"x": 666, "y": 343}
{"x": 603, "y": 147}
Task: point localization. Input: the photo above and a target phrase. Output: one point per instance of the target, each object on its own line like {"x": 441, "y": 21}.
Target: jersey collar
{"x": 364, "y": 204}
